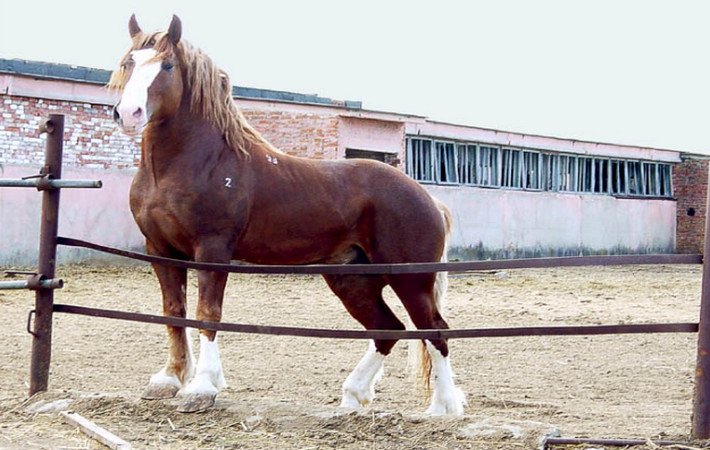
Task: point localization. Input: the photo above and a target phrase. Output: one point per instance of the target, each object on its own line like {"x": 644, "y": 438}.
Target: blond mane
{"x": 209, "y": 87}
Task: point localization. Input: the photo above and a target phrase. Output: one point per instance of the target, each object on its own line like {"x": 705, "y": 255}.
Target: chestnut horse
{"x": 210, "y": 188}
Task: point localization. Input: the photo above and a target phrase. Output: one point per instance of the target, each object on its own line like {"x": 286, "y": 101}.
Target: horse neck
{"x": 183, "y": 137}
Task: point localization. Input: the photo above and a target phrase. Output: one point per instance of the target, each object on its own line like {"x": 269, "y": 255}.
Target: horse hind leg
{"x": 362, "y": 297}
{"x": 421, "y": 296}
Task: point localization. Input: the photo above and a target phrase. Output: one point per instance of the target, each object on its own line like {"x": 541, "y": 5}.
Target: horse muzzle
{"x": 131, "y": 119}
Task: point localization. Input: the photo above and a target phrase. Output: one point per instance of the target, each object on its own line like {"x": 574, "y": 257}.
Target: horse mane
{"x": 210, "y": 89}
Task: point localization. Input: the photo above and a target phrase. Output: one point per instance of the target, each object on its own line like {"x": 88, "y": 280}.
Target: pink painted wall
{"x": 508, "y": 223}
{"x": 371, "y": 134}
{"x": 97, "y": 215}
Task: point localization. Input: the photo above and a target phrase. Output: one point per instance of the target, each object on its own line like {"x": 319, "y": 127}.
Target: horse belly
{"x": 290, "y": 245}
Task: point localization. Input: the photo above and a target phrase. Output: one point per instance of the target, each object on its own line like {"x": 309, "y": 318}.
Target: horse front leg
{"x": 201, "y": 392}
{"x": 180, "y": 365}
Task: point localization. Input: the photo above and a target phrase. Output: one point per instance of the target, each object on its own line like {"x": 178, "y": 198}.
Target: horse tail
{"x": 422, "y": 359}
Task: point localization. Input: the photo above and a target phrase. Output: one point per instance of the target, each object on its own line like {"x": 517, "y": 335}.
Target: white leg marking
{"x": 209, "y": 378}
{"x": 359, "y": 386}
{"x": 134, "y": 100}
{"x": 190, "y": 364}
{"x": 447, "y": 398}
{"x": 163, "y": 377}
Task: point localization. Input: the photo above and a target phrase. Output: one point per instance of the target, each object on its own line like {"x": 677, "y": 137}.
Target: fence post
{"x": 44, "y": 299}
{"x": 701, "y": 400}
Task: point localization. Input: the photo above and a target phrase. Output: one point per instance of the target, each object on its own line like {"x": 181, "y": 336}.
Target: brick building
{"x": 691, "y": 187}
{"x": 511, "y": 194}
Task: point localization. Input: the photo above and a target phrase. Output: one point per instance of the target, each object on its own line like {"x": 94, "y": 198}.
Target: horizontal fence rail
{"x": 53, "y": 283}
{"x": 589, "y": 330}
{"x": 50, "y": 183}
{"x": 391, "y": 269}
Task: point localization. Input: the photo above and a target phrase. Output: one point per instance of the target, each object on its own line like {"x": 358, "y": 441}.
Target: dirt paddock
{"x": 284, "y": 392}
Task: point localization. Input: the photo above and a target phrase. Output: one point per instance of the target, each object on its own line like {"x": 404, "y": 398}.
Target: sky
{"x": 620, "y": 71}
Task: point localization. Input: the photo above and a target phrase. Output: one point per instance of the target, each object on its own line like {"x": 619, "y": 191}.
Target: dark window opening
{"x": 351, "y": 153}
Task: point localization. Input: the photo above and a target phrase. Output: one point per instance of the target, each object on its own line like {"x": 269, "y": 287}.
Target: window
{"x": 477, "y": 164}
{"x": 531, "y": 170}
{"x": 601, "y": 176}
{"x": 618, "y": 177}
{"x": 487, "y": 165}
{"x": 351, "y": 153}
{"x": 547, "y": 174}
{"x": 420, "y": 160}
{"x": 467, "y": 164}
{"x": 447, "y": 172}
{"x": 665, "y": 180}
{"x": 635, "y": 177}
{"x": 566, "y": 172}
{"x": 650, "y": 178}
{"x": 512, "y": 174}
{"x": 585, "y": 174}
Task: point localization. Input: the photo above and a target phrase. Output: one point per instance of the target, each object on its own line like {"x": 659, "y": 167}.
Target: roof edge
{"x": 89, "y": 75}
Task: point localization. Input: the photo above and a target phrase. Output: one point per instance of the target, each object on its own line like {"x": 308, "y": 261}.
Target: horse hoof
{"x": 159, "y": 391}
{"x": 452, "y": 403}
{"x": 196, "y": 402}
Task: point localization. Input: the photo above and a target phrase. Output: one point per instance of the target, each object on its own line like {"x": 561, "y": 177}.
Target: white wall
{"x": 506, "y": 223}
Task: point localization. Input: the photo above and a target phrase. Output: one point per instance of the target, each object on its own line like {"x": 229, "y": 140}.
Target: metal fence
{"x": 49, "y": 182}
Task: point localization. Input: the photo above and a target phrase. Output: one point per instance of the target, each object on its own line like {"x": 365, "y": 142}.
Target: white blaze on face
{"x": 132, "y": 107}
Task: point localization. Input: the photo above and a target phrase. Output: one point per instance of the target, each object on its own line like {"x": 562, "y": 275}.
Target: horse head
{"x": 149, "y": 78}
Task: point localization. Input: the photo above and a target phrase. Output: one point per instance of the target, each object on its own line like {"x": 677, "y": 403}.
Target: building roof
{"x": 90, "y": 75}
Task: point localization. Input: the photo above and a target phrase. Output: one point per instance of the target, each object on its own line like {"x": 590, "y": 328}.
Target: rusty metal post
{"x": 44, "y": 299}
{"x": 701, "y": 400}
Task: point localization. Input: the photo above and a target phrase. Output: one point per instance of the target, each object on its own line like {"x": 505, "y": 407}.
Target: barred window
{"x": 447, "y": 171}
{"x": 487, "y": 165}
{"x": 601, "y": 176}
{"x": 512, "y": 175}
{"x": 547, "y": 172}
{"x": 635, "y": 177}
{"x": 467, "y": 164}
{"x": 531, "y": 170}
{"x": 665, "y": 180}
{"x": 566, "y": 173}
{"x": 420, "y": 160}
{"x": 618, "y": 177}
{"x": 476, "y": 164}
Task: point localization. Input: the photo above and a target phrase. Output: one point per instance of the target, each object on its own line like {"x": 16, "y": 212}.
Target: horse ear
{"x": 133, "y": 28}
{"x": 175, "y": 30}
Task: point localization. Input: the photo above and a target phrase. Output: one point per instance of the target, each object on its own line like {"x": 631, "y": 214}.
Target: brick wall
{"x": 299, "y": 134}
{"x": 93, "y": 141}
{"x": 690, "y": 184}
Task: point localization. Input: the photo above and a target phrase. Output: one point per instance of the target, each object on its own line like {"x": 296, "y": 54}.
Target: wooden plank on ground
{"x": 94, "y": 431}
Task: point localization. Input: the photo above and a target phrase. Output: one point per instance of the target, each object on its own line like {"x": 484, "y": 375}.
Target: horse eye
{"x": 166, "y": 65}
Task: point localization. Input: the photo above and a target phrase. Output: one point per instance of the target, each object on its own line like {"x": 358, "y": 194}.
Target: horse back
{"x": 324, "y": 208}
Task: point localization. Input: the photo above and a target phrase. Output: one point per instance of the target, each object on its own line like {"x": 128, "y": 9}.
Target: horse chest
{"x": 182, "y": 213}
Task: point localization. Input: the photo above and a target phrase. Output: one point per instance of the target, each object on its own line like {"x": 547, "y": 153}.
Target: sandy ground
{"x": 284, "y": 392}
